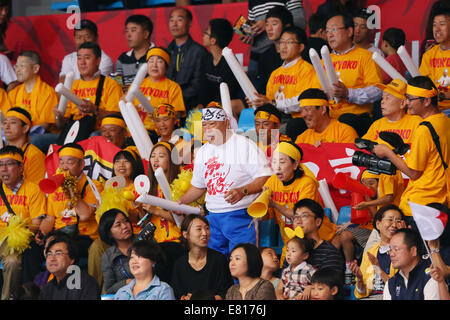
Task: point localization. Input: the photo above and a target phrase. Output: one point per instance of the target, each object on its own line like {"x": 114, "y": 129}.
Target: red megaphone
{"x": 343, "y": 181}
{"x": 49, "y": 185}
{"x": 358, "y": 216}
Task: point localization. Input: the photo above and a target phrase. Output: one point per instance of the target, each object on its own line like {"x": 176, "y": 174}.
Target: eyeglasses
{"x": 391, "y": 220}
{"x": 412, "y": 99}
{"x": 55, "y": 254}
{"x": 303, "y": 216}
{"x": 8, "y": 164}
{"x": 289, "y": 42}
{"x": 333, "y": 30}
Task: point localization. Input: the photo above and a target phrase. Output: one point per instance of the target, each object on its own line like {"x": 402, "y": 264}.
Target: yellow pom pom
{"x": 17, "y": 235}
{"x": 129, "y": 195}
{"x": 112, "y": 198}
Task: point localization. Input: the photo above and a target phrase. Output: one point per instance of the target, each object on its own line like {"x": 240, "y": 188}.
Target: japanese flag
{"x": 430, "y": 221}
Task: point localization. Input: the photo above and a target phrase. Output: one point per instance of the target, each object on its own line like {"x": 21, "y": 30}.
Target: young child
{"x": 325, "y": 284}
{"x": 393, "y": 38}
{"x": 270, "y": 265}
{"x": 296, "y": 278}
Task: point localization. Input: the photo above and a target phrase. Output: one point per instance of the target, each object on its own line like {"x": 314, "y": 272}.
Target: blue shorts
{"x": 230, "y": 228}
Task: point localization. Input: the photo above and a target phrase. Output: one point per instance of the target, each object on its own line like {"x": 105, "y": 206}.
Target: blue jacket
{"x": 156, "y": 290}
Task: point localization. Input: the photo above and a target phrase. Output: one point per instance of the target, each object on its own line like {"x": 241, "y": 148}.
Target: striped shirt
{"x": 257, "y": 9}
{"x": 295, "y": 281}
{"x": 327, "y": 256}
{"x": 127, "y": 65}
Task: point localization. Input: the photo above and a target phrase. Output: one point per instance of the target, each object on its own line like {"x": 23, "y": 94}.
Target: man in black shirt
{"x": 186, "y": 57}
{"x": 317, "y": 39}
{"x": 138, "y": 30}
{"x": 69, "y": 282}
{"x": 308, "y": 214}
{"x": 216, "y": 70}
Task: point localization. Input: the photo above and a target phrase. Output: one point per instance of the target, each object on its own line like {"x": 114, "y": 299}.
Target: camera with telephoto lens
{"x": 371, "y": 161}
{"x": 148, "y": 231}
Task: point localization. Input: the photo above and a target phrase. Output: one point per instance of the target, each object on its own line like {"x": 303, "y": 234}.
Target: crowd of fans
{"x": 92, "y": 228}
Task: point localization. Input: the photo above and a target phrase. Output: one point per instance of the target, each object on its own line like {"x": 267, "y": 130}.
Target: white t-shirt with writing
{"x": 69, "y": 63}
{"x": 231, "y": 165}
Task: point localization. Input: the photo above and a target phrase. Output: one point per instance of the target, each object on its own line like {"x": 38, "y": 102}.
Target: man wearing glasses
{"x": 22, "y": 198}
{"x": 295, "y": 76}
{"x": 355, "y": 90}
{"x": 425, "y": 164}
{"x": 67, "y": 283}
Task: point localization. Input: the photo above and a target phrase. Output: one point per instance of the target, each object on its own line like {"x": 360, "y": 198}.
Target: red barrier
{"x": 50, "y": 37}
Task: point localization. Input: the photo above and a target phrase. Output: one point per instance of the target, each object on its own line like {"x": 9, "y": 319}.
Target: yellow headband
{"x": 163, "y": 143}
{"x": 18, "y": 115}
{"x": 313, "y": 102}
{"x": 267, "y": 116}
{"x": 113, "y": 121}
{"x": 160, "y": 53}
{"x": 421, "y": 92}
{"x": 14, "y": 156}
{"x": 164, "y": 110}
{"x": 73, "y": 152}
{"x": 130, "y": 150}
{"x": 289, "y": 150}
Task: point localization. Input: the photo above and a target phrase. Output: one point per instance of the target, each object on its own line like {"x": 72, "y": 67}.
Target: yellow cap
{"x": 396, "y": 87}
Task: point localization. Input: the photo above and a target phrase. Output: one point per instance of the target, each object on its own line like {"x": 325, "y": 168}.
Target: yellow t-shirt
{"x": 34, "y": 163}
{"x": 336, "y": 132}
{"x": 165, "y": 230}
{"x": 57, "y": 207}
{"x": 434, "y": 62}
{"x": 28, "y": 202}
{"x": 356, "y": 69}
{"x": 87, "y": 90}
{"x": 162, "y": 91}
{"x": 301, "y": 188}
{"x": 5, "y": 104}
{"x": 292, "y": 81}
{"x": 423, "y": 156}
{"x": 39, "y": 102}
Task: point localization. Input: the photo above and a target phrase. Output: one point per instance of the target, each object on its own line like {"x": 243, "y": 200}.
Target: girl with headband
{"x": 158, "y": 88}
{"x": 288, "y": 185}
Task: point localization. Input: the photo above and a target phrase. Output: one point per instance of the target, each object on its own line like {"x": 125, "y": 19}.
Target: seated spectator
{"x": 158, "y": 88}
{"x": 146, "y": 285}
{"x": 423, "y": 164}
{"x": 317, "y": 36}
{"x": 115, "y": 230}
{"x": 138, "y": 31}
{"x": 296, "y": 277}
{"x": 23, "y": 198}
{"x": 357, "y": 74}
{"x": 166, "y": 123}
{"x": 284, "y": 87}
{"x": 392, "y": 39}
{"x": 271, "y": 265}
{"x": 411, "y": 282}
{"x": 61, "y": 255}
{"x": 309, "y": 216}
{"x": 267, "y": 126}
{"x": 114, "y": 129}
{"x": 217, "y": 36}
{"x": 27, "y": 291}
{"x": 33, "y": 95}
{"x": 439, "y": 15}
{"x": 246, "y": 265}
{"x": 363, "y": 34}
{"x": 100, "y": 98}
{"x": 277, "y": 19}
{"x": 315, "y": 110}
{"x": 202, "y": 268}
{"x": 376, "y": 267}
{"x": 186, "y": 58}
{"x": 16, "y": 128}
{"x": 86, "y": 33}
{"x": 73, "y": 210}
{"x": 325, "y": 284}
{"x": 288, "y": 185}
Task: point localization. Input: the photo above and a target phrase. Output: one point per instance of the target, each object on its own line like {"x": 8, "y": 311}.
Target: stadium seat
{"x": 63, "y": 5}
{"x": 329, "y": 214}
{"x": 246, "y": 119}
{"x": 344, "y": 215}
{"x": 267, "y": 233}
